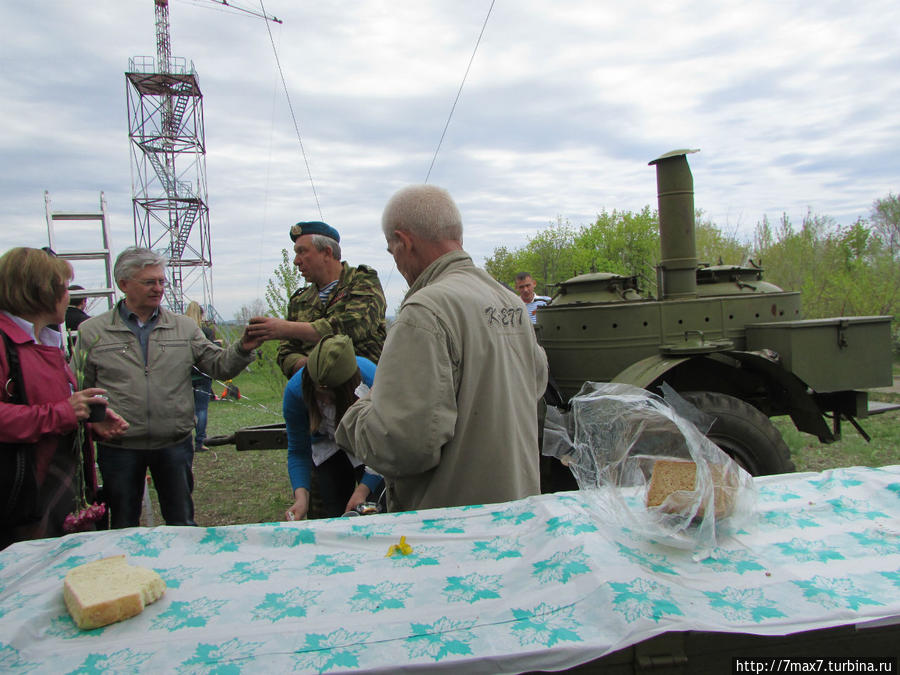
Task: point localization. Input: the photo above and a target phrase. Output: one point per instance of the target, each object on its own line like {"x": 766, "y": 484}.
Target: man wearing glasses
{"x": 142, "y": 354}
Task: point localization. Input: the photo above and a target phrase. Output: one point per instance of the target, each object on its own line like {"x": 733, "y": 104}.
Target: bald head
{"x": 420, "y": 223}
{"x": 426, "y": 211}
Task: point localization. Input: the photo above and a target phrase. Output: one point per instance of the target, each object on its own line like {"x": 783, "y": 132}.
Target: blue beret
{"x": 314, "y": 227}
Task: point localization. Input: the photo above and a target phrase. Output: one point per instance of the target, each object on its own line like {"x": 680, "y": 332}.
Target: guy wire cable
{"x": 461, "y": 84}
{"x": 293, "y": 117}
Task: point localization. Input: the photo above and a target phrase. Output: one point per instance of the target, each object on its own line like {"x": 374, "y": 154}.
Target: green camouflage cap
{"x": 332, "y": 362}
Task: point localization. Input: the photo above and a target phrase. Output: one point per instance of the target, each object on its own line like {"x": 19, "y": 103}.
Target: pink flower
{"x": 82, "y": 519}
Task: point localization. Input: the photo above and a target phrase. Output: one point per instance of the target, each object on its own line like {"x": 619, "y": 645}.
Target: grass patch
{"x": 852, "y": 450}
{"x": 232, "y": 487}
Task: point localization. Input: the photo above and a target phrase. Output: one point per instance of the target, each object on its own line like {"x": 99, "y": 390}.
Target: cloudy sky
{"x": 792, "y": 103}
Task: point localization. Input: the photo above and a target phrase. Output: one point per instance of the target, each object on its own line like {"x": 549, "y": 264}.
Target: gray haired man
{"x": 142, "y": 354}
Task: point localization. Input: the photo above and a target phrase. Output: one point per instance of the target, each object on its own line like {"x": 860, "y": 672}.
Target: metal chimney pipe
{"x": 677, "y": 270}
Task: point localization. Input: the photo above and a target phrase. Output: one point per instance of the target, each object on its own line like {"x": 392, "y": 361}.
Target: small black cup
{"x": 98, "y": 411}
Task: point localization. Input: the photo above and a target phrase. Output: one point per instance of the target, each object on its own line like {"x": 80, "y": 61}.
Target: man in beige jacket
{"x": 449, "y": 420}
{"x": 142, "y": 355}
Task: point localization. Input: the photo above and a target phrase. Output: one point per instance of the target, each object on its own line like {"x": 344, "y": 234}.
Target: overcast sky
{"x": 792, "y": 103}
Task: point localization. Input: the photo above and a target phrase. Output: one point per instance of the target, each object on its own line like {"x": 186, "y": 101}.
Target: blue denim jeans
{"x": 202, "y": 394}
{"x": 124, "y": 473}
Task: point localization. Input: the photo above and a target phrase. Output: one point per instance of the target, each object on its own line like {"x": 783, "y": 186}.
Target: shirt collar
{"x": 128, "y": 315}
{"x": 48, "y": 336}
{"x": 327, "y": 288}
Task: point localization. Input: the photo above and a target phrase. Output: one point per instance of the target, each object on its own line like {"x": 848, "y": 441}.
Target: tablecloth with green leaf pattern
{"x": 541, "y": 583}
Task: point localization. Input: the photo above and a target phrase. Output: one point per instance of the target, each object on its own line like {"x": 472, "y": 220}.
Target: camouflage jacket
{"x": 356, "y": 308}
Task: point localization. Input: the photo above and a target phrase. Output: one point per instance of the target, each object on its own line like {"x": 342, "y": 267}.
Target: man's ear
{"x": 405, "y": 237}
{"x": 121, "y": 284}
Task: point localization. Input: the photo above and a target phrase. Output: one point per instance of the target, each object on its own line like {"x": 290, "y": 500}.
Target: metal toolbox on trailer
{"x": 832, "y": 354}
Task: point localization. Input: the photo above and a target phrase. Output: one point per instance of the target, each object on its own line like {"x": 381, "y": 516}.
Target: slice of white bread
{"x": 108, "y": 590}
{"x": 673, "y": 485}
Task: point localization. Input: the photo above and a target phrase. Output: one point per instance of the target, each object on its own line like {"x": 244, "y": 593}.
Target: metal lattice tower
{"x": 168, "y": 162}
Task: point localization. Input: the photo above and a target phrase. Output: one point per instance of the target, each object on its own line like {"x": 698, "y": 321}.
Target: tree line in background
{"x": 840, "y": 271}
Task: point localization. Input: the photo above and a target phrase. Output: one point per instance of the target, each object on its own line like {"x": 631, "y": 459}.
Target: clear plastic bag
{"x": 613, "y": 438}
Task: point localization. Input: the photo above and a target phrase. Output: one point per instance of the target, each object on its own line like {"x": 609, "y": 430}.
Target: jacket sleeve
{"x": 215, "y": 361}
{"x": 28, "y": 423}
{"x": 296, "y": 419}
{"x": 400, "y": 429}
{"x": 371, "y": 478}
{"x": 287, "y": 356}
{"x": 291, "y": 351}
{"x": 542, "y": 375}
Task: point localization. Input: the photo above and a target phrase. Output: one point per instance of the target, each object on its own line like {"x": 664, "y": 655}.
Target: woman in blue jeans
{"x": 329, "y": 380}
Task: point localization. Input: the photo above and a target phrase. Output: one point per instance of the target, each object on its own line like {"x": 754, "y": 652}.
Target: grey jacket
{"x": 155, "y": 398}
{"x": 452, "y": 416}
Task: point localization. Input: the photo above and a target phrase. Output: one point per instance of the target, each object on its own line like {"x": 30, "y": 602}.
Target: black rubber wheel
{"x": 744, "y": 433}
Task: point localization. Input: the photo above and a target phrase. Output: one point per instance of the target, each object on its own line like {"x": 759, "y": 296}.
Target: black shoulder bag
{"x": 18, "y": 483}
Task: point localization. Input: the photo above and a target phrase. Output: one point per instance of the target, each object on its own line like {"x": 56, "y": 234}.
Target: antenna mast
{"x": 168, "y": 164}
{"x": 168, "y": 161}
{"x": 163, "y": 44}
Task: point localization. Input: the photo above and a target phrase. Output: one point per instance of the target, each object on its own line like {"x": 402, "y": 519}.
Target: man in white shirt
{"x": 525, "y": 288}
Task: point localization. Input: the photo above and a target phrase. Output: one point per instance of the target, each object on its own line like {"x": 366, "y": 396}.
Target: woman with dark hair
{"x": 47, "y": 471}
{"x": 315, "y": 400}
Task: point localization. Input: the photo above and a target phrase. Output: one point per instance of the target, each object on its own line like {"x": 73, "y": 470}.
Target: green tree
{"x": 547, "y": 257}
{"x": 717, "y": 247}
{"x": 885, "y": 219}
{"x": 869, "y": 276}
{"x": 792, "y": 259}
{"x": 503, "y": 265}
{"x": 840, "y": 271}
{"x": 625, "y": 243}
{"x": 281, "y": 286}
{"x": 618, "y": 242}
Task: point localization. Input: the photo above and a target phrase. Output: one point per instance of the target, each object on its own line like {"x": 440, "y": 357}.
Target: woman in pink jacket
{"x": 47, "y": 476}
